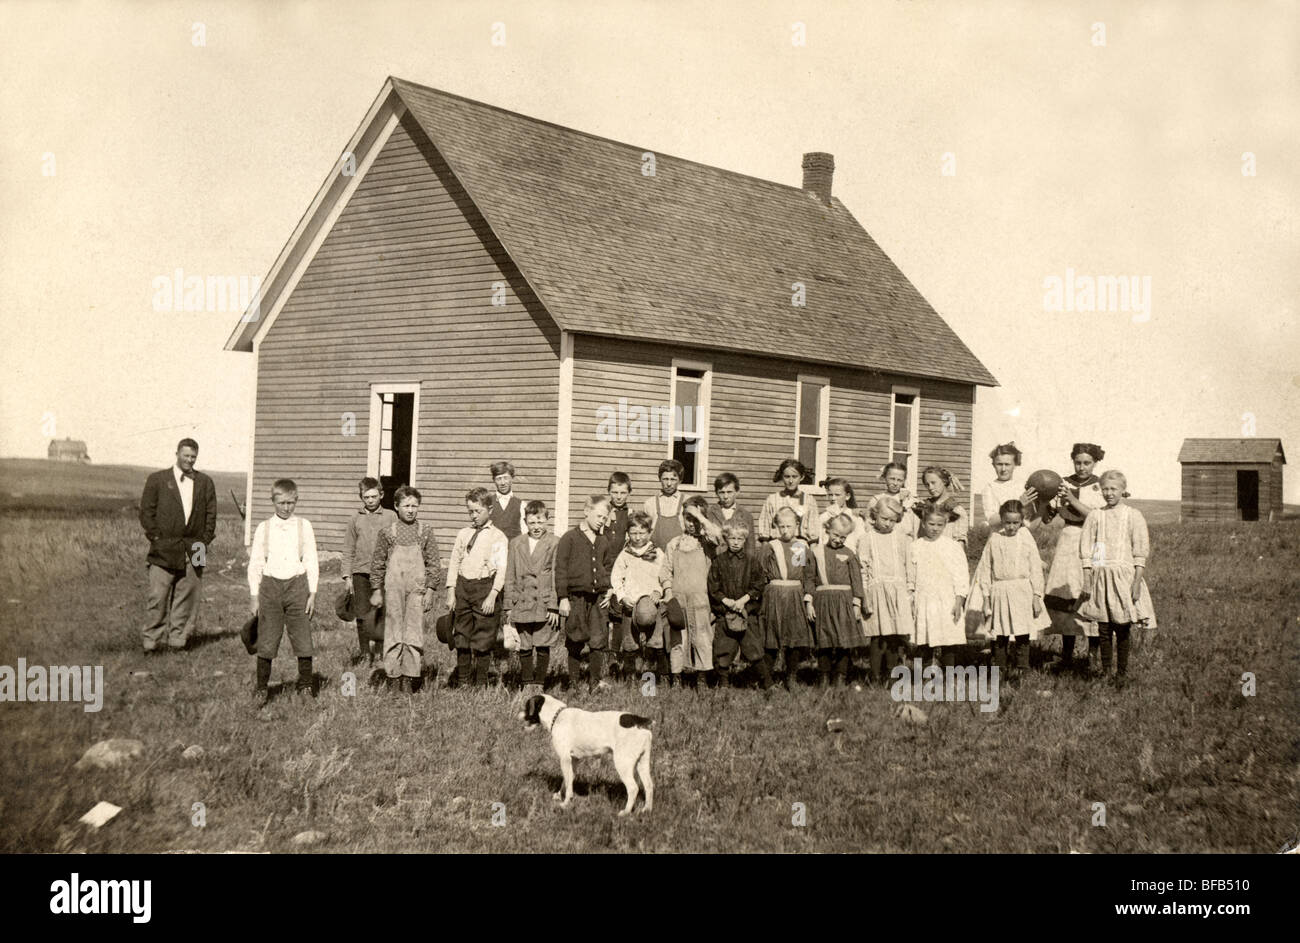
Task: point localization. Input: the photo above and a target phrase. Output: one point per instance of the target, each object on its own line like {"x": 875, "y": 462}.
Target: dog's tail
{"x": 634, "y": 720}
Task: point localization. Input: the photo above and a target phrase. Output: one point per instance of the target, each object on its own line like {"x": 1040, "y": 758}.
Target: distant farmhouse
{"x": 471, "y": 284}
{"x": 1232, "y": 479}
{"x": 68, "y": 450}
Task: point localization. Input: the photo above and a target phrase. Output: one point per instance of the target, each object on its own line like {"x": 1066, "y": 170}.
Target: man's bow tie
{"x": 187, "y": 474}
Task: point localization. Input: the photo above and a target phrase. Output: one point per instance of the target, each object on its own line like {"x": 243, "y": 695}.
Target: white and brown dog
{"x": 577, "y": 733}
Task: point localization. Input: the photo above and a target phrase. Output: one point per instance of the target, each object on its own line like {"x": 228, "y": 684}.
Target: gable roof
{"x": 67, "y": 445}
{"x": 692, "y": 254}
{"x": 1232, "y": 451}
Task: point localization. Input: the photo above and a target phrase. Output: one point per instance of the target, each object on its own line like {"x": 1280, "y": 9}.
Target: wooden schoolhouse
{"x": 471, "y": 284}
{"x": 68, "y": 450}
{"x": 1231, "y": 479}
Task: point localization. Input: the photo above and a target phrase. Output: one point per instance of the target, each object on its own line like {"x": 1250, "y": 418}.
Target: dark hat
{"x": 676, "y": 615}
{"x": 343, "y": 606}
{"x": 248, "y": 635}
{"x": 443, "y": 629}
{"x": 645, "y": 613}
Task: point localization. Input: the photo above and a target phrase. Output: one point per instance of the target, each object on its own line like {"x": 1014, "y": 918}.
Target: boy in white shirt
{"x": 475, "y": 577}
{"x": 282, "y": 575}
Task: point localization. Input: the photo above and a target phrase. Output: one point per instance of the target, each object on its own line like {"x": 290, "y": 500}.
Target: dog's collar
{"x": 557, "y": 717}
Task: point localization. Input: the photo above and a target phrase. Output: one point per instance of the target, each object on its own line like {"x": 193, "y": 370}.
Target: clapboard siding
{"x": 1210, "y": 490}
{"x": 751, "y": 419}
{"x": 400, "y": 292}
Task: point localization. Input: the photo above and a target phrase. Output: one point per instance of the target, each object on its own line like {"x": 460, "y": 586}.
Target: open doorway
{"x": 394, "y": 421}
{"x": 1248, "y": 494}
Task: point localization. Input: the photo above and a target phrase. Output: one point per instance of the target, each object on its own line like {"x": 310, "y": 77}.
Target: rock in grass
{"x": 194, "y": 752}
{"x": 911, "y": 713}
{"x": 311, "y": 837}
{"x": 109, "y": 753}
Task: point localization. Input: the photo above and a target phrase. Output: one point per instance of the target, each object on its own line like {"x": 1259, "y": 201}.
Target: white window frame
{"x": 701, "y": 420}
{"x": 376, "y": 424}
{"x": 823, "y": 426}
{"x": 913, "y": 444}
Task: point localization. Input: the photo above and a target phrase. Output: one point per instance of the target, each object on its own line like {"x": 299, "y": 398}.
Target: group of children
{"x": 681, "y": 587}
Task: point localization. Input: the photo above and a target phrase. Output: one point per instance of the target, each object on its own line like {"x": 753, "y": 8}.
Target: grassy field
{"x": 34, "y": 484}
{"x": 1182, "y": 760}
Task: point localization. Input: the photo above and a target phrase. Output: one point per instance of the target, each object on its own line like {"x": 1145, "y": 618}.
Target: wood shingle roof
{"x": 1231, "y": 451}
{"x": 692, "y": 254}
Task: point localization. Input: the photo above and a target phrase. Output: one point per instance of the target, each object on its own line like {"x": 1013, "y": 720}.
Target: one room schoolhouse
{"x": 472, "y": 284}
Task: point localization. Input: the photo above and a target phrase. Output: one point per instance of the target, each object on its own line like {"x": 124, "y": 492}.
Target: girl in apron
{"x": 1079, "y": 494}
{"x": 836, "y": 602}
{"x": 791, "y": 573}
{"x": 685, "y": 578}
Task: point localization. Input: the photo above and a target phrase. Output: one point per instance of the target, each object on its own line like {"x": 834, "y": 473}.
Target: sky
{"x": 989, "y": 148}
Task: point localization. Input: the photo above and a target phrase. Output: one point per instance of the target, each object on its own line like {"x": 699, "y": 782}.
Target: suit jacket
{"x": 171, "y": 537}
{"x": 530, "y": 580}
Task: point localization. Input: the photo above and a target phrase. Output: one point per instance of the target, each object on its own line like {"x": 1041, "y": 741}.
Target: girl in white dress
{"x": 1113, "y": 555}
{"x": 886, "y": 605}
{"x": 1009, "y": 578}
{"x": 939, "y": 580}
{"x": 1006, "y": 459}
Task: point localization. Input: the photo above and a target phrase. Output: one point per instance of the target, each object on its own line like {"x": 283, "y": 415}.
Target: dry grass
{"x": 1183, "y": 761}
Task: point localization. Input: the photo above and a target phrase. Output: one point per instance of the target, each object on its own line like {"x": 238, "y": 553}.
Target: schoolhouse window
{"x": 903, "y": 432}
{"x": 690, "y": 420}
{"x": 811, "y": 422}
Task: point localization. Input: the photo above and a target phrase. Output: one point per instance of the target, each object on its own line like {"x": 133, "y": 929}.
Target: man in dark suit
{"x": 178, "y": 512}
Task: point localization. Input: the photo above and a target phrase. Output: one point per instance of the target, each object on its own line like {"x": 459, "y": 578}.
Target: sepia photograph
{"x": 651, "y": 427}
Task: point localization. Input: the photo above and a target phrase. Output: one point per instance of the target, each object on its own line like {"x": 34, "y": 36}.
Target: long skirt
{"x": 837, "y": 624}
{"x": 1065, "y": 585}
{"x": 934, "y": 622}
{"x": 1012, "y": 602}
{"x": 891, "y": 608}
{"x": 785, "y": 624}
{"x": 1110, "y": 598}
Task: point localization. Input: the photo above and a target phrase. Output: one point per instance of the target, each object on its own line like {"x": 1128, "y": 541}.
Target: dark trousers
{"x": 369, "y": 631}
{"x": 884, "y": 654}
{"x": 472, "y": 630}
{"x": 281, "y": 608}
{"x": 726, "y": 643}
{"x": 1000, "y": 645}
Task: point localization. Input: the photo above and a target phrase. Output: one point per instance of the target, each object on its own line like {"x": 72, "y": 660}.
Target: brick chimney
{"x": 818, "y": 169}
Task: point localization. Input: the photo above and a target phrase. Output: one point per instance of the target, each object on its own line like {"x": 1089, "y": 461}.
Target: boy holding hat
{"x": 735, "y": 593}
{"x": 529, "y": 603}
{"x": 635, "y": 581}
